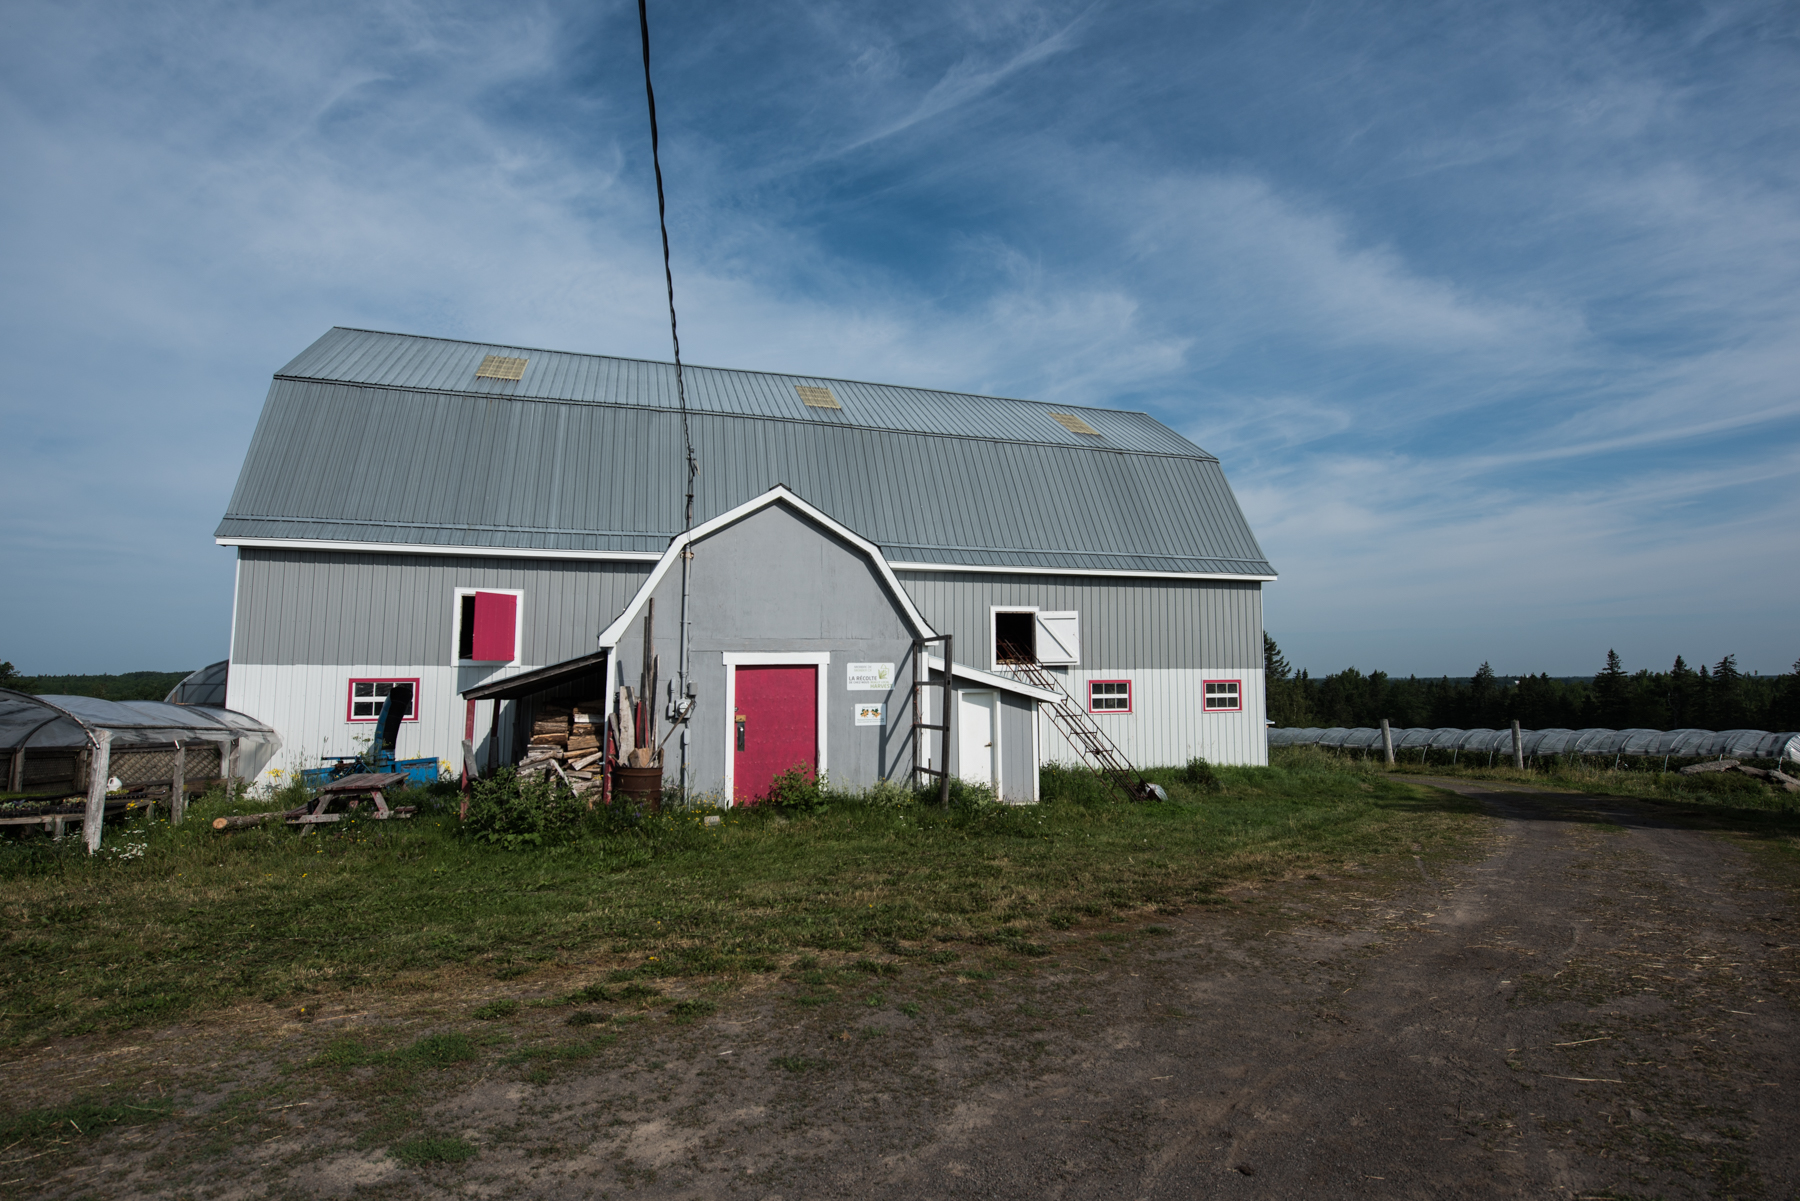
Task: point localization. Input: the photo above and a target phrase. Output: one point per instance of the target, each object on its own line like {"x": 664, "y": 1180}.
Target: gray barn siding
{"x": 774, "y": 582}
{"x": 316, "y": 607}
{"x": 1125, "y": 622}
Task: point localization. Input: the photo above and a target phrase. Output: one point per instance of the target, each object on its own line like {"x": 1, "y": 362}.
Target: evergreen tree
{"x": 1482, "y": 697}
{"x": 1683, "y": 685}
{"x": 1610, "y": 694}
{"x": 1727, "y": 695}
{"x": 1287, "y": 695}
{"x": 1785, "y": 712}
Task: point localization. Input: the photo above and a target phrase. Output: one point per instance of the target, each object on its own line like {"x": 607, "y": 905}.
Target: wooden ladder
{"x": 1084, "y": 734}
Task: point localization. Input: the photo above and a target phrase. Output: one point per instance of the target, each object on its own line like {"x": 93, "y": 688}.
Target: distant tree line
{"x": 1717, "y": 698}
{"x": 129, "y": 686}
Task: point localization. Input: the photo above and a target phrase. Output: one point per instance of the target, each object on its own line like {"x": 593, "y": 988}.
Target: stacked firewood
{"x": 567, "y": 741}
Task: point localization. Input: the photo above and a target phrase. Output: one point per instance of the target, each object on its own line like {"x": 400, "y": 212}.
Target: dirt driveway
{"x": 1602, "y": 1005}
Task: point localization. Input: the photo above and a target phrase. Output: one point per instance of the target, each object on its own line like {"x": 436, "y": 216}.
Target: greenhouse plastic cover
{"x": 66, "y": 721}
{"x": 1738, "y": 744}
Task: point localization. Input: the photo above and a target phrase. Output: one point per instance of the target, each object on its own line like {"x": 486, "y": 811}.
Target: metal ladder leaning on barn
{"x": 1084, "y": 734}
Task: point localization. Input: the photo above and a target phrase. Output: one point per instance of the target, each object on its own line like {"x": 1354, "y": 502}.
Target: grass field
{"x": 168, "y": 922}
{"x": 1708, "y": 788}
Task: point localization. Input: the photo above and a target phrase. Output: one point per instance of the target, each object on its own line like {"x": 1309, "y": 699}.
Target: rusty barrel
{"x": 642, "y": 784}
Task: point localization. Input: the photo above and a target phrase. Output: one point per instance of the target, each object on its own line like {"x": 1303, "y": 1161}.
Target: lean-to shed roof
{"x": 392, "y": 439}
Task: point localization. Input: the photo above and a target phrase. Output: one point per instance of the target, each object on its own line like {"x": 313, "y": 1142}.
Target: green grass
{"x": 1729, "y": 790}
{"x": 78, "y": 1119}
{"x": 202, "y": 919}
{"x": 415, "y": 1152}
{"x": 495, "y": 1010}
{"x": 431, "y": 1051}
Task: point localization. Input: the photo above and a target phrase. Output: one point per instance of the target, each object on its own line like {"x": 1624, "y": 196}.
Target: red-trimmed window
{"x": 487, "y": 627}
{"x": 366, "y": 697}
{"x": 1109, "y": 696}
{"x": 1224, "y": 696}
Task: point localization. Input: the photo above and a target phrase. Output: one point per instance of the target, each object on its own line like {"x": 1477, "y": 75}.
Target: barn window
{"x": 366, "y": 697}
{"x": 1015, "y": 637}
{"x": 1223, "y": 696}
{"x": 1109, "y": 696}
{"x": 1041, "y": 636}
{"x": 487, "y": 626}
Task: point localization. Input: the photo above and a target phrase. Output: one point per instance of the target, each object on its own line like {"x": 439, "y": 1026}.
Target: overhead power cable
{"x": 679, "y": 708}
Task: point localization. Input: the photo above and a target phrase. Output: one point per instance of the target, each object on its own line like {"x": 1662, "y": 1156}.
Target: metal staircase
{"x": 1083, "y": 734}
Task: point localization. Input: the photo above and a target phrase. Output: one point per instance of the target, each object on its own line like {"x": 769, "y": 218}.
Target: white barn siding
{"x": 1166, "y": 636}
{"x": 1125, "y": 621}
{"x": 1168, "y": 724}
{"x": 308, "y": 622}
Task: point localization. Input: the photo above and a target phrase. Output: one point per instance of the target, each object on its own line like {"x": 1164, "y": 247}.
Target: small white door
{"x": 977, "y": 737}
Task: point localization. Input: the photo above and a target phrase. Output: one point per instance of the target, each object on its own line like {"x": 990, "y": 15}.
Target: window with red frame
{"x": 366, "y": 697}
{"x": 1224, "y": 696}
{"x": 1109, "y": 696}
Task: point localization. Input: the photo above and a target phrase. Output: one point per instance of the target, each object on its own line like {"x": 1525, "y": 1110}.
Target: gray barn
{"x": 494, "y": 522}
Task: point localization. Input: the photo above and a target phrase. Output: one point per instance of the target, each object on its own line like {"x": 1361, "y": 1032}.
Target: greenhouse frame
{"x": 58, "y": 747}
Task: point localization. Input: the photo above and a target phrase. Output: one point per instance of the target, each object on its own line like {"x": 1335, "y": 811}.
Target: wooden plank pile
{"x": 568, "y": 740}
{"x": 1777, "y": 777}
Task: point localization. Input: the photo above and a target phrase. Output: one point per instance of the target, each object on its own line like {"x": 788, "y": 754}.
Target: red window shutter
{"x": 496, "y": 617}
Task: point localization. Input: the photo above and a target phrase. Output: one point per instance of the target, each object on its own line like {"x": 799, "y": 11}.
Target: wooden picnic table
{"x": 351, "y": 790}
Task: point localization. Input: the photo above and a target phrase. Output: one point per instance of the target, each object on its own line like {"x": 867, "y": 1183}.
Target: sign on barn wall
{"x": 869, "y": 677}
{"x": 871, "y": 715}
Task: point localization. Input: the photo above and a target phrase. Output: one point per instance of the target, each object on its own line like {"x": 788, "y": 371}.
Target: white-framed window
{"x": 1024, "y": 634}
{"x": 489, "y": 625}
{"x": 1109, "y": 696}
{"x": 367, "y": 696}
{"x": 1224, "y": 696}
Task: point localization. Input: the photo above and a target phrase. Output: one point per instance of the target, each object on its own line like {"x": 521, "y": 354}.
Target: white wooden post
{"x": 99, "y": 767}
{"x": 1518, "y": 747}
{"x": 178, "y": 786}
{"x": 1387, "y": 742}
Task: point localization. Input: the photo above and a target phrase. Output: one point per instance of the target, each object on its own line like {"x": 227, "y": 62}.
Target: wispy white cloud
{"x": 1492, "y": 317}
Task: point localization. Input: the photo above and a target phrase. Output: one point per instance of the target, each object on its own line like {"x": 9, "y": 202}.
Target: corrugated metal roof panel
{"x": 426, "y": 460}
{"x": 441, "y": 365}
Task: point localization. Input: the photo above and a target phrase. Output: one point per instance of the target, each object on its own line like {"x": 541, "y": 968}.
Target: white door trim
{"x": 736, "y": 659}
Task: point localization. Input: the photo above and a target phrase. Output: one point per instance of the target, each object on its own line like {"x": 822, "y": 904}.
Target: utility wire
{"x": 679, "y": 710}
{"x": 662, "y": 220}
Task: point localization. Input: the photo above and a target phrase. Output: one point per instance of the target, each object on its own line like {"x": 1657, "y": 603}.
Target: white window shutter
{"x": 1059, "y": 638}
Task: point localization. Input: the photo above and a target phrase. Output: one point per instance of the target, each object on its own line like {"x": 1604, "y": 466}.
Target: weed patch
{"x": 417, "y": 1152}
{"x": 495, "y": 1010}
{"x": 79, "y": 1118}
{"x": 692, "y": 1008}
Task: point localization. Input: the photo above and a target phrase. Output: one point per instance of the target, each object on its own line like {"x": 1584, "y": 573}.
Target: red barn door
{"x": 775, "y": 727}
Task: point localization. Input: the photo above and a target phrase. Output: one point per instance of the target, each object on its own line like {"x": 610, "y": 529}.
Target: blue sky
{"x": 1491, "y": 311}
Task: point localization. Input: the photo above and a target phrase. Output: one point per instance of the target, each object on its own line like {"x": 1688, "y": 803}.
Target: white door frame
{"x": 994, "y": 756}
{"x": 736, "y": 659}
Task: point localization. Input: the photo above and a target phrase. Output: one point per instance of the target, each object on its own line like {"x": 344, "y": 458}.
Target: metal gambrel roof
{"x": 386, "y": 438}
